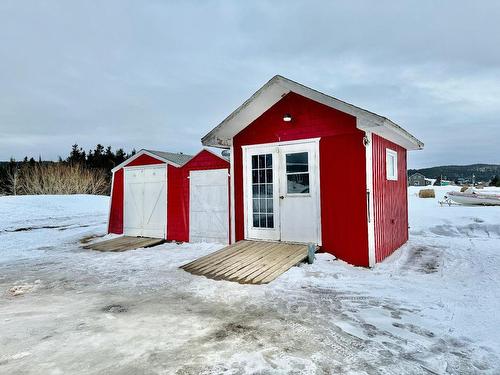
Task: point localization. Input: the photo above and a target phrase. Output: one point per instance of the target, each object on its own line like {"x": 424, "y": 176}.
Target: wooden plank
{"x": 197, "y": 260}
{"x": 124, "y": 243}
{"x": 273, "y": 273}
{"x": 214, "y": 262}
{"x": 267, "y": 264}
{"x": 131, "y": 244}
{"x": 260, "y": 262}
{"x": 241, "y": 261}
{"x": 146, "y": 243}
{"x": 254, "y": 262}
{"x": 104, "y": 244}
{"x": 217, "y": 254}
{"x": 220, "y": 262}
{"x": 243, "y": 256}
{"x": 230, "y": 252}
{"x": 294, "y": 251}
{"x": 227, "y": 269}
{"x": 258, "y": 268}
{"x": 110, "y": 244}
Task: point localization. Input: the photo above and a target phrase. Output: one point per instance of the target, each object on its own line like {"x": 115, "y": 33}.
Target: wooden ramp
{"x": 124, "y": 243}
{"x": 249, "y": 262}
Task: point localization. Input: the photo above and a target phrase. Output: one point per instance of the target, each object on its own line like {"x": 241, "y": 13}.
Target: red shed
{"x": 310, "y": 168}
{"x": 171, "y": 195}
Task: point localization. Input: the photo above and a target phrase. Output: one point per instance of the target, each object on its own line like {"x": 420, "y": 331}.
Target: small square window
{"x": 391, "y": 161}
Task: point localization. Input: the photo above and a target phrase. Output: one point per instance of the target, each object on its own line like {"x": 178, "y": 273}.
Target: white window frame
{"x": 308, "y": 172}
{"x": 391, "y": 155}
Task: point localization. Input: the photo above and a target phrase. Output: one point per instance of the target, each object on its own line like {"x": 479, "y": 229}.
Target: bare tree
{"x": 13, "y": 180}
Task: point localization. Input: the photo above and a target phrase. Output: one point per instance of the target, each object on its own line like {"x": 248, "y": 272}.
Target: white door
{"x": 209, "y": 206}
{"x": 282, "y": 192}
{"x": 145, "y": 201}
{"x": 299, "y": 193}
{"x": 262, "y": 193}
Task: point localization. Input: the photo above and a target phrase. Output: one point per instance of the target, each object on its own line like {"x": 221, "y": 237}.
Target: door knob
{"x": 282, "y": 197}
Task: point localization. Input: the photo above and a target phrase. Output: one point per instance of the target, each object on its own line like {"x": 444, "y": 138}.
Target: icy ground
{"x": 431, "y": 308}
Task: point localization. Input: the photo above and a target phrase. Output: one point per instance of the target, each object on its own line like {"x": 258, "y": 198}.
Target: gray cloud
{"x": 160, "y": 74}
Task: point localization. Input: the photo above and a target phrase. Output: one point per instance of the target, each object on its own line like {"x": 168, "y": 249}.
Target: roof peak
{"x": 277, "y": 87}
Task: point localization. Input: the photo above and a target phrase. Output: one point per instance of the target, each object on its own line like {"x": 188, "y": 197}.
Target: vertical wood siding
{"x": 342, "y": 170}
{"x": 115, "y": 224}
{"x": 178, "y": 192}
{"x": 390, "y": 200}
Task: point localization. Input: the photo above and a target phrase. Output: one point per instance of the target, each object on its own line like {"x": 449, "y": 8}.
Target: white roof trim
{"x": 142, "y": 152}
{"x": 269, "y": 94}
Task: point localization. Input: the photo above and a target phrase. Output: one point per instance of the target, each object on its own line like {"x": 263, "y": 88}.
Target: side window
{"x": 391, "y": 164}
{"x": 297, "y": 173}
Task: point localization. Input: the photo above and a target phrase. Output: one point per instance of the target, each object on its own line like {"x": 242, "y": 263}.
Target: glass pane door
{"x": 262, "y": 191}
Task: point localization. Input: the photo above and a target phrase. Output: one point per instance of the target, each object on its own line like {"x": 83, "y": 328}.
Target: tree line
{"x": 495, "y": 181}
{"x": 85, "y": 172}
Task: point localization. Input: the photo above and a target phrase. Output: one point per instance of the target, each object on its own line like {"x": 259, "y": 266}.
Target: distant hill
{"x": 483, "y": 172}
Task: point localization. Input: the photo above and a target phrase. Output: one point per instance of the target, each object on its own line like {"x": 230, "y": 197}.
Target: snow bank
{"x": 430, "y": 307}
{"x": 31, "y": 224}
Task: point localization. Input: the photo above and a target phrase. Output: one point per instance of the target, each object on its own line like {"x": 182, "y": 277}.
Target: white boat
{"x": 472, "y": 197}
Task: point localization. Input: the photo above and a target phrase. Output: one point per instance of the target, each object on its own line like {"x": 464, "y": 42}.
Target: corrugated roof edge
{"x": 176, "y": 159}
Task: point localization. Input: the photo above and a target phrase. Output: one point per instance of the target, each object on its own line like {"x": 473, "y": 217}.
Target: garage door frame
{"x": 148, "y": 166}
{"x": 225, "y": 173}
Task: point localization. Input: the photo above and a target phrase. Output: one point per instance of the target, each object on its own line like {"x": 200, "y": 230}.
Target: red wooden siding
{"x": 178, "y": 192}
{"x": 342, "y": 170}
{"x": 144, "y": 160}
{"x": 115, "y": 224}
{"x": 390, "y": 200}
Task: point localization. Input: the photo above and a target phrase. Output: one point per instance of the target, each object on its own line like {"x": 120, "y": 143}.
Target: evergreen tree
{"x": 77, "y": 155}
{"x": 109, "y": 159}
{"x": 495, "y": 181}
{"x": 120, "y": 156}
{"x": 96, "y": 159}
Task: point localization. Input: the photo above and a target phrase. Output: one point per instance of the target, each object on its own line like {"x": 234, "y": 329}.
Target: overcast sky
{"x": 160, "y": 75}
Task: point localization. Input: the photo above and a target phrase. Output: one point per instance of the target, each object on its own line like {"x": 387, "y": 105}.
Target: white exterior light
{"x": 287, "y": 117}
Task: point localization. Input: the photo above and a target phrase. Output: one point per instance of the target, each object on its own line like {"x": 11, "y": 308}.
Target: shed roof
{"x": 276, "y": 88}
{"x": 174, "y": 157}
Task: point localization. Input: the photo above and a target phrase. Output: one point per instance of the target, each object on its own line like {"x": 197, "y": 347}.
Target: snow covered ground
{"x": 432, "y": 307}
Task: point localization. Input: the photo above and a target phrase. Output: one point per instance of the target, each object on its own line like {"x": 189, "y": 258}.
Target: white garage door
{"x": 209, "y": 206}
{"x": 145, "y": 202}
